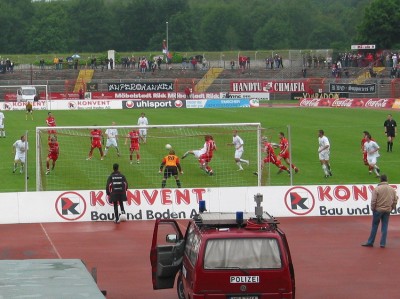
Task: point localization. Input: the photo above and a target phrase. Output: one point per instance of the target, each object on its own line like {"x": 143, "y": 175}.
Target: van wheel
{"x": 180, "y": 289}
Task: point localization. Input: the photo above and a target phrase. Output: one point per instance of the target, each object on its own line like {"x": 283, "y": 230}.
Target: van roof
{"x": 221, "y": 221}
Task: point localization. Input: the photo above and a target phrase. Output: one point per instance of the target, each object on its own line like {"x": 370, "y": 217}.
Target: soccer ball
{"x": 168, "y": 146}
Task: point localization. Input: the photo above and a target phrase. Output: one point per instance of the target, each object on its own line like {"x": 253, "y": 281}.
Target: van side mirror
{"x": 171, "y": 238}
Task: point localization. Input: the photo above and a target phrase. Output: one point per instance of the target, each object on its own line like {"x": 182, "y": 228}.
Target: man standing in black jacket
{"x": 116, "y": 188}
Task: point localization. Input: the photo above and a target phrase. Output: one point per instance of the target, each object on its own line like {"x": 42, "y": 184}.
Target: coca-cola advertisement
{"x": 374, "y": 103}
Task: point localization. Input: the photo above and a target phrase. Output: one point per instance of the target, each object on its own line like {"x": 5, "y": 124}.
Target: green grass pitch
{"x": 342, "y": 126}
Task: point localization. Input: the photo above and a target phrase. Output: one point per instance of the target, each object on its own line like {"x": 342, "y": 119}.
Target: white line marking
{"x": 51, "y": 242}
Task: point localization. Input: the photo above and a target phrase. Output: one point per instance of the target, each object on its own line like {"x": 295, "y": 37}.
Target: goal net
{"x": 73, "y": 171}
{"x": 14, "y": 97}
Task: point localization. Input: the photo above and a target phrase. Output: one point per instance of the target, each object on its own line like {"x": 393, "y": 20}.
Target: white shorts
{"x": 238, "y": 154}
{"x": 372, "y": 160}
{"x": 20, "y": 157}
{"x": 324, "y": 155}
{"x": 142, "y": 132}
{"x": 111, "y": 142}
{"x": 197, "y": 153}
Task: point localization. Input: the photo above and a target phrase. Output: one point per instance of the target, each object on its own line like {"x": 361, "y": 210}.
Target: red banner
{"x": 287, "y": 86}
{"x": 375, "y": 103}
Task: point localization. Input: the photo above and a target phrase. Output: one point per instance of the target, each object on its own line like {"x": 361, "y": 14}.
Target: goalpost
{"x": 12, "y": 91}
{"x": 74, "y": 172}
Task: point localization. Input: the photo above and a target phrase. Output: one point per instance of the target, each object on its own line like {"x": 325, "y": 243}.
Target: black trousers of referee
{"x": 121, "y": 204}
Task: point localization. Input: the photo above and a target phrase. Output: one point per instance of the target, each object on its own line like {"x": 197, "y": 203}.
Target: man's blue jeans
{"x": 376, "y": 218}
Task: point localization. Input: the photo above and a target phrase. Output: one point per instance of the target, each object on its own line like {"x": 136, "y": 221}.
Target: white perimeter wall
{"x": 148, "y": 204}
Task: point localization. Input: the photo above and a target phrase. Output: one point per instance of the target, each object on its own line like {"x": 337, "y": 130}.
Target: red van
{"x": 223, "y": 255}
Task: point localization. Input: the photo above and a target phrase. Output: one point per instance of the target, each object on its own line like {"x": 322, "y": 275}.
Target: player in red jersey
{"x": 271, "y": 157}
{"x": 51, "y": 122}
{"x": 54, "y": 151}
{"x": 207, "y": 156}
{"x": 284, "y": 151}
{"x": 363, "y": 140}
{"x": 134, "y": 137}
{"x": 95, "y": 136}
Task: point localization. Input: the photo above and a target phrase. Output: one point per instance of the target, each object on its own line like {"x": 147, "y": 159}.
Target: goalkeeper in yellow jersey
{"x": 29, "y": 110}
{"x": 171, "y": 165}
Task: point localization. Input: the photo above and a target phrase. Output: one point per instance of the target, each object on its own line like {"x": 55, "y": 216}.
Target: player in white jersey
{"x": 2, "y": 131}
{"x": 112, "y": 136}
{"x": 238, "y": 143}
{"x": 372, "y": 150}
{"x": 20, "y": 148}
{"x": 324, "y": 148}
{"x": 143, "y": 123}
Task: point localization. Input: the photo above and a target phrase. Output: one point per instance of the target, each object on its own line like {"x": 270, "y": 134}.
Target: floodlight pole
{"x": 167, "y": 36}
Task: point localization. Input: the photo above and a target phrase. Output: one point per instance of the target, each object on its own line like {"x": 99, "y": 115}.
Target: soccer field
{"x": 342, "y": 126}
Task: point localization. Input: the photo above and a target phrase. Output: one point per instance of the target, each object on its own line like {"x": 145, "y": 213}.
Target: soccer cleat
{"x": 122, "y": 217}
{"x": 185, "y": 155}
{"x": 370, "y": 172}
{"x": 211, "y": 172}
{"x": 138, "y": 161}
{"x": 240, "y": 169}
{"x": 280, "y": 171}
{"x": 255, "y": 173}
{"x": 296, "y": 170}
{"x": 14, "y": 170}
{"x": 89, "y": 158}
{"x": 247, "y": 162}
{"x": 118, "y": 154}
{"x": 326, "y": 176}
{"x": 48, "y": 171}
{"x": 102, "y": 158}
{"x": 378, "y": 170}
{"x": 131, "y": 162}
{"x": 117, "y": 221}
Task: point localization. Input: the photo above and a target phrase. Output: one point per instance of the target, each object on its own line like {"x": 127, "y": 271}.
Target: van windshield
{"x": 29, "y": 92}
{"x": 242, "y": 253}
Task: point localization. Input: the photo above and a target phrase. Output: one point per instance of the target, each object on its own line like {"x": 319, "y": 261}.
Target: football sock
{"x": 178, "y": 183}
{"x": 163, "y": 183}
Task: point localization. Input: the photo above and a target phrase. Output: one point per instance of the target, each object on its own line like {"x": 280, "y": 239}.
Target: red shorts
{"x": 52, "y": 131}
{"x": 96, "y": 144}
{"x": 134, "y": 147}
{"x": 285, "y": 155}
{"x": 52, "y": 156}
{"x": 205, "y": 158}
{"x": 272, "y": 159}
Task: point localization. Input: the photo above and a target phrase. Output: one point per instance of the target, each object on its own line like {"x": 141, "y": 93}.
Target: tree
{"x": 381, "y": 24}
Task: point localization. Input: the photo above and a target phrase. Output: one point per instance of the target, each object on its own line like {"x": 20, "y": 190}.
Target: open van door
{"x": 166, "y": 253}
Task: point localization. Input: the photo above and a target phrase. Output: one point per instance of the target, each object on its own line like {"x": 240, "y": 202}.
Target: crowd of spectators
{"x": 6, "y": 65}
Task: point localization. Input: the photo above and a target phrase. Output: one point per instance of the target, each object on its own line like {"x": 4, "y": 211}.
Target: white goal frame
{"x": 257, "y": 129}
{"x": 46, "y": 87}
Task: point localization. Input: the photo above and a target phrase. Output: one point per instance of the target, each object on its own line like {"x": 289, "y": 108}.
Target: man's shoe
{"x": 255, "y": 173}
{"x": 367, "y": 245}
{"x": 122, "y": 216}
{"x": 382, "y": 246}
{"x": 48, "y": 172}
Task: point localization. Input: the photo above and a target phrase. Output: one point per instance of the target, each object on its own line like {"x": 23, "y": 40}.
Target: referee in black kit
{"x": 390, "y": 131}
{"x": 116, "y": 188}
